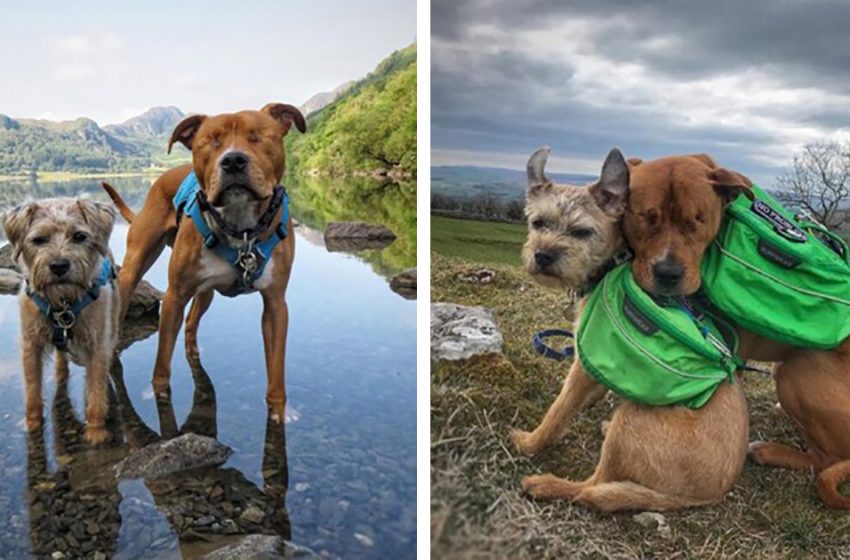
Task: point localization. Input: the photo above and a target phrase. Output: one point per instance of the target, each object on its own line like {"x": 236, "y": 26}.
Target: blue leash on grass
{"x": 547, "y": 351}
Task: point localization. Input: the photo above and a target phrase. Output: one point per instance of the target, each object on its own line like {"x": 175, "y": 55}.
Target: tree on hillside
{"x": 819, "y": 182}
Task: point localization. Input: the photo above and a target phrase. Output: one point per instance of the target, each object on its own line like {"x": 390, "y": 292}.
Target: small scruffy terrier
{"x": 68, "y": 302}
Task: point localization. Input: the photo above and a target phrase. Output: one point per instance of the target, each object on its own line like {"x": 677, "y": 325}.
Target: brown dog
{"x": 652, "y": 457}
{"x": 675, "y": 208}
{"x": 238, "y": 160}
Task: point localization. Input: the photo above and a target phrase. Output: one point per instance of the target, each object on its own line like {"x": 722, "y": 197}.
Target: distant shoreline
{"x": 54, "y": 176}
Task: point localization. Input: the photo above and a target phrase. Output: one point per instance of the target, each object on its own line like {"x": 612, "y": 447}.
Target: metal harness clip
{"x": 247, "y": 260}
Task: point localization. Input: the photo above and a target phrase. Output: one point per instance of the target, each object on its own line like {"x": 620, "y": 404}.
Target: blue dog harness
{"x": 249, "y": 261}
{"x": 64, "y": 317}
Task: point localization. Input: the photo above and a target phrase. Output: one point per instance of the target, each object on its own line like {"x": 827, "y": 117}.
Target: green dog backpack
{"x": 650, "y": 353}
{"x": 779, "y": 276}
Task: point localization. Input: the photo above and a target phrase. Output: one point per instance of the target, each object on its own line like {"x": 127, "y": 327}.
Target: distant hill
{"x": 82, "y": 146}
{"x": 370, "y": 129}
{"x": 155, "y": 123}
{"x": 467, "y": 181}
{"x": 325, "y": 98}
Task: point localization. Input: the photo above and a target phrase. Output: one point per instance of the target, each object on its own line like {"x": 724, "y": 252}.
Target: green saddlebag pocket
{"x": 648, "y": 353}
{"x": 778, "y": 276}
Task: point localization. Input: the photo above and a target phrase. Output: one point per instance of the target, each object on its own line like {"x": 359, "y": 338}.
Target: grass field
{"x": 483, "y": 242}
{"x": 477, "y": 509}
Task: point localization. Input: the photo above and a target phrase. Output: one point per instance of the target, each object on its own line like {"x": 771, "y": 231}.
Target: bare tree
{"x": 819, "y": 182}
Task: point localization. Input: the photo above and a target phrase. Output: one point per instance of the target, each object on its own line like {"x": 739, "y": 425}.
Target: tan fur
{"x": 194, "y": 271}
{"x": 43, "y": 231}
{"x": 813, "y": 386}
{"x": 652, "y": 458}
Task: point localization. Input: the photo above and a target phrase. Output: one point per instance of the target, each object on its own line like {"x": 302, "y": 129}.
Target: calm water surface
{"x": 339, "y": 478}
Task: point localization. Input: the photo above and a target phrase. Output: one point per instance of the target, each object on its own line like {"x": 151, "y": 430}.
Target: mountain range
{"x": 467, "y": 181}
{"x": 82, "y": 146}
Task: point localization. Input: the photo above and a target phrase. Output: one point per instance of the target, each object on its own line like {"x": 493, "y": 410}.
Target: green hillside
{"x": 81, "y": 146}
{"x": 372, "y": 127}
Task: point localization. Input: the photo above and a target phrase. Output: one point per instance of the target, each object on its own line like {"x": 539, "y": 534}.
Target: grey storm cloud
{"x": 508, "y": 98}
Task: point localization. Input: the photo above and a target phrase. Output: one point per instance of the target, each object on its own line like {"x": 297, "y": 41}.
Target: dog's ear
{"x": 538, "y": 183}
{"x": 286, "y": 115}
{"x": 185, "y": 131}
{"x": 634, "y": 162}
{"x": 729, "y": 184}
{"x": 611, "y": 192}
{"x": 15, "y": 223}
{"x": 100, "y": 217}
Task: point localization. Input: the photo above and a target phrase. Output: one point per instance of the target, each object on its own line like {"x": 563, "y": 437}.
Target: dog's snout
{"x": 233, "y": 162}
{"x": 544, "y": 259}
{"x": 668, "y": 273}
{"x": 60, "y": 266}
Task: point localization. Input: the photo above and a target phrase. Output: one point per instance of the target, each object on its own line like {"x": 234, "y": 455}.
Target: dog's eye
{"x": 581, "y": 233}
{"x": 39, "y": 240}
{"x": 253, "y": 136}
{"x": 538, "y": 224}
{"x": 79, "y": 237}
{"x": 700, "y": 217}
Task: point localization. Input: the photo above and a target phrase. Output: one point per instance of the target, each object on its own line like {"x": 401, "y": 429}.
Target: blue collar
{"x": 249, "y": 261}
{"x": 63, "y": 318}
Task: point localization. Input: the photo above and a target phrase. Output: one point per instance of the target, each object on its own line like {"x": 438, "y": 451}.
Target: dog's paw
{"x": 96, "y": 434}
{"x": 34, "y": 421}
{"x": 755, "y": 450}
{"x": 277, "y": 412}
{"x": 541, "y": 486}
{"x": 192, "y": 350}
{"x": 524, "y": 442}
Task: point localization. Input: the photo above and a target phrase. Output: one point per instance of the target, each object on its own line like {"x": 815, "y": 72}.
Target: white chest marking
{"x": 218, "y": 273}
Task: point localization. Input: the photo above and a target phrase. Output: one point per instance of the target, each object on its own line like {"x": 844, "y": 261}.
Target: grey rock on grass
{"x": 188, "y": 451}
{"x": 261, "y": 547}
{"x": 459, "y": 332}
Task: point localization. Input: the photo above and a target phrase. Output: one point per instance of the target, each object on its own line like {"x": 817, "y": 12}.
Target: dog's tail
{"x": 828, "y": 481}
{"x": 125, "y": 210}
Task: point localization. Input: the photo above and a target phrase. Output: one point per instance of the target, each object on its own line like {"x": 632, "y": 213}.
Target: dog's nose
{"x": 668, "y": 273}
{"x": 59, "y": 266}
{"x": 233, "y": 162}
{"x": 544, "y": 258}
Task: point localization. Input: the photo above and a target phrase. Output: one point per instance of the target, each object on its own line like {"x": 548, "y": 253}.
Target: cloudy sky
{"x": 110, "y": 60}
{"x": 748, "y": 82}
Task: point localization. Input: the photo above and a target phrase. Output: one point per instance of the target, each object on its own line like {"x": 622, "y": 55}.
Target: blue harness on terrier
{"x": 248, "y": 261}
{"x": 64, "y": 317}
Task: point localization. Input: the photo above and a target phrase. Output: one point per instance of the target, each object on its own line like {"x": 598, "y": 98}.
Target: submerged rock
{"x": 350, "y": 237}
{"x": 261, "y": 547}
{"x": 6, "y": 260}
{"x": 10, "y": 281}
{"x": 145, "y": 301}
{"x": 459, "y": 332}
{"x": 404, "y": 284}
{"x": 188, "y": 451}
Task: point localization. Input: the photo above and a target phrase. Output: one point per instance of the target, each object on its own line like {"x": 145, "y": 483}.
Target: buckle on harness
{"x": 210, "y": 240}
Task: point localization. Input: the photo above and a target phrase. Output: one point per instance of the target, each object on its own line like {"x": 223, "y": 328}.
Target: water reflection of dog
{"x": 201, "y": 504}
{"x": 75, "y": 509}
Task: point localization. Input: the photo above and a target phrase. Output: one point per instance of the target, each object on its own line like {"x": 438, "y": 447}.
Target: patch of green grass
{"x": 478, "y": 510}
{"x": 482, "y": 242}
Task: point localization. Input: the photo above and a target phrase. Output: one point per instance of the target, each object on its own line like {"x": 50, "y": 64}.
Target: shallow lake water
{"x": 338, "y": 478}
